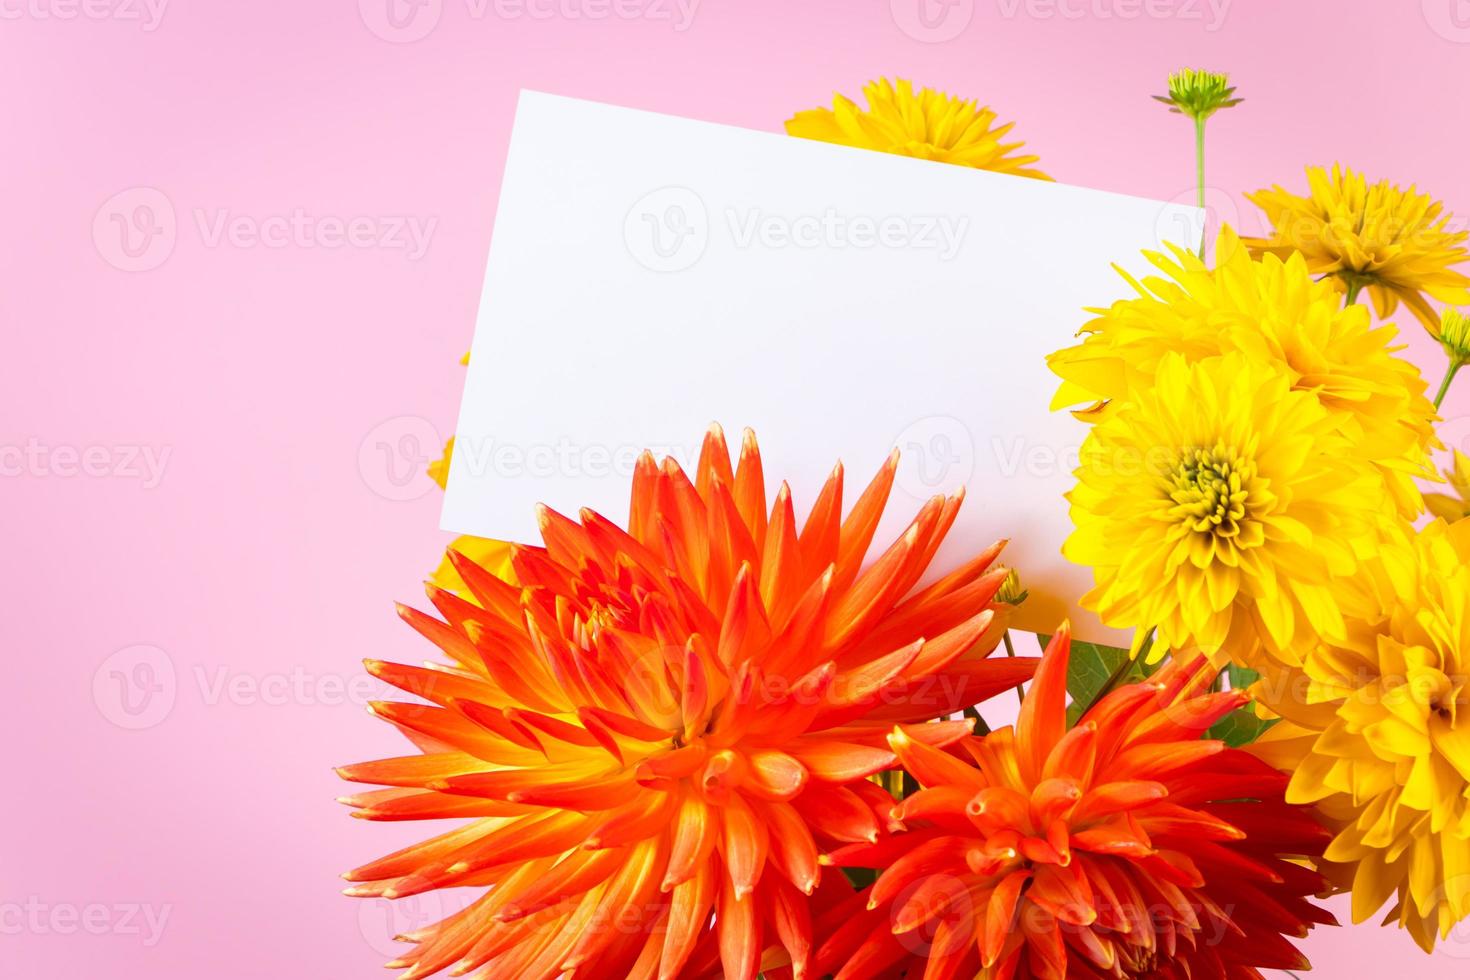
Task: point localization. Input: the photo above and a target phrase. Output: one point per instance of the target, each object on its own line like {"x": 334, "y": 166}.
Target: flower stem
{"x": 1354, "y": 288}
{"x": 1124, "y": 669}
{"x": 1199, "y": 168}
{"x": 1449, "y": 375}
{"x": 1117, "y": 675}
{"x": 1199, "y": 158}
{"x": 1011, "y": 652}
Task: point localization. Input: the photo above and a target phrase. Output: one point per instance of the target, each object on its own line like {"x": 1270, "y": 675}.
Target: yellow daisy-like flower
{"x": 1456, "y": 506}
{"x": 1386, "y": 710}
{"x": 1272, "y": 310}
{"x": 930, "y": 126}
{"x": 1217, "y": 507}
{"x": 1395, "y": 243}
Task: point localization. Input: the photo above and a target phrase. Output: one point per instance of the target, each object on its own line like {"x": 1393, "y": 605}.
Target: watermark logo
{"x": 136, "y": 687}
{"x": 1210, "y": 13}
{"x": 135, "y": 230}
{"x": 40, "y": 460}
{"x": 35, "y": 917}
{"x": 407, "y": 233}
{"x": 1181, "y": 222}
{"x": 941, "y": 234}
{"x": 1450, "y": 19}
{"x": 932, "y": 21}
{"x": 139, "y": 687}
{"x": 405, "y": 21}
{"x": 936, "y": 455}
{"x": 401, "y": 21}
{"x": 147, "y": 14}
{"x": 667, "y": 230}
{"x": 393, "y": 458}
{"x": 219, "y": 685}
{"x": 481, "y": 456}
{"x": 382, "y": 921}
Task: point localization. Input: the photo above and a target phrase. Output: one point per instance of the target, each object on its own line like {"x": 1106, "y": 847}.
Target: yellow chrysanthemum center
{"x": 1219, "y": 507}
{"x": 1210, "y": 489}
{"x": 1273, "y": 310}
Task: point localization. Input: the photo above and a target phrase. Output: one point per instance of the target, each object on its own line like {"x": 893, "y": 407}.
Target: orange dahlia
{"x": 1126, "y": 847}
{"x": 653, "y": 736}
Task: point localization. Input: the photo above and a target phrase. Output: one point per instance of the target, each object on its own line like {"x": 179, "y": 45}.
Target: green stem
{"x": 1449, "y": 375}
{"x": 1123, "y": 670}
{"x": 1011, "y": 652}
{"x": 1117, "y": 675}
{"x": 1199, "y": 167}
{"x": 1354, "y": 288}
{"x": 1199, "y": 158}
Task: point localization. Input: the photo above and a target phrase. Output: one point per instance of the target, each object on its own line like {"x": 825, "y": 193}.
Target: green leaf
{"x": 1240, "y": 727}
{"x": 861, "y": 877}
{"x": 1241, "y": 677}
{"x": 1091, "y": 666}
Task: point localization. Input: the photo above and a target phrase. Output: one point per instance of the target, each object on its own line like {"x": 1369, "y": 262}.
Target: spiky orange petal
{"x": 663, "y": 726}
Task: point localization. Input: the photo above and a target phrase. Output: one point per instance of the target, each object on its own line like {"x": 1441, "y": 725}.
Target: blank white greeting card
{"x": 649, "y": 275}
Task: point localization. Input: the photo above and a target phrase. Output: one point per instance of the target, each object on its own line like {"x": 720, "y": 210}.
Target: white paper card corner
{"x": 650, "y": 274}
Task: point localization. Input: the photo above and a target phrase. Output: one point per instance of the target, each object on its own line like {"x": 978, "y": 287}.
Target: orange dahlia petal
{"x": 666, "y": 724}
{"x": 1076, "y": 857}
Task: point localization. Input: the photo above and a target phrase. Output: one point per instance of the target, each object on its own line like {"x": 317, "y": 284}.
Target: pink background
{"x": 267, "y": 556}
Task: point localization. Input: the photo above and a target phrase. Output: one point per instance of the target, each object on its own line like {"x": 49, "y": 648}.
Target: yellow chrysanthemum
{"x": 930, "y": 126}
{"x": 1456, "y": 506}
{"x": 1217, "y": 506}
{"x": 489, "y": 554}
{"x": 1386, "y": 717}
{"x": 1395, "y": 243}
{"x": 1272, "y": 310}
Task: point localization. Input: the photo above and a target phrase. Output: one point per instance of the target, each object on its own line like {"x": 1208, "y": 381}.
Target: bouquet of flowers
{"x": 713, "y": 741}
